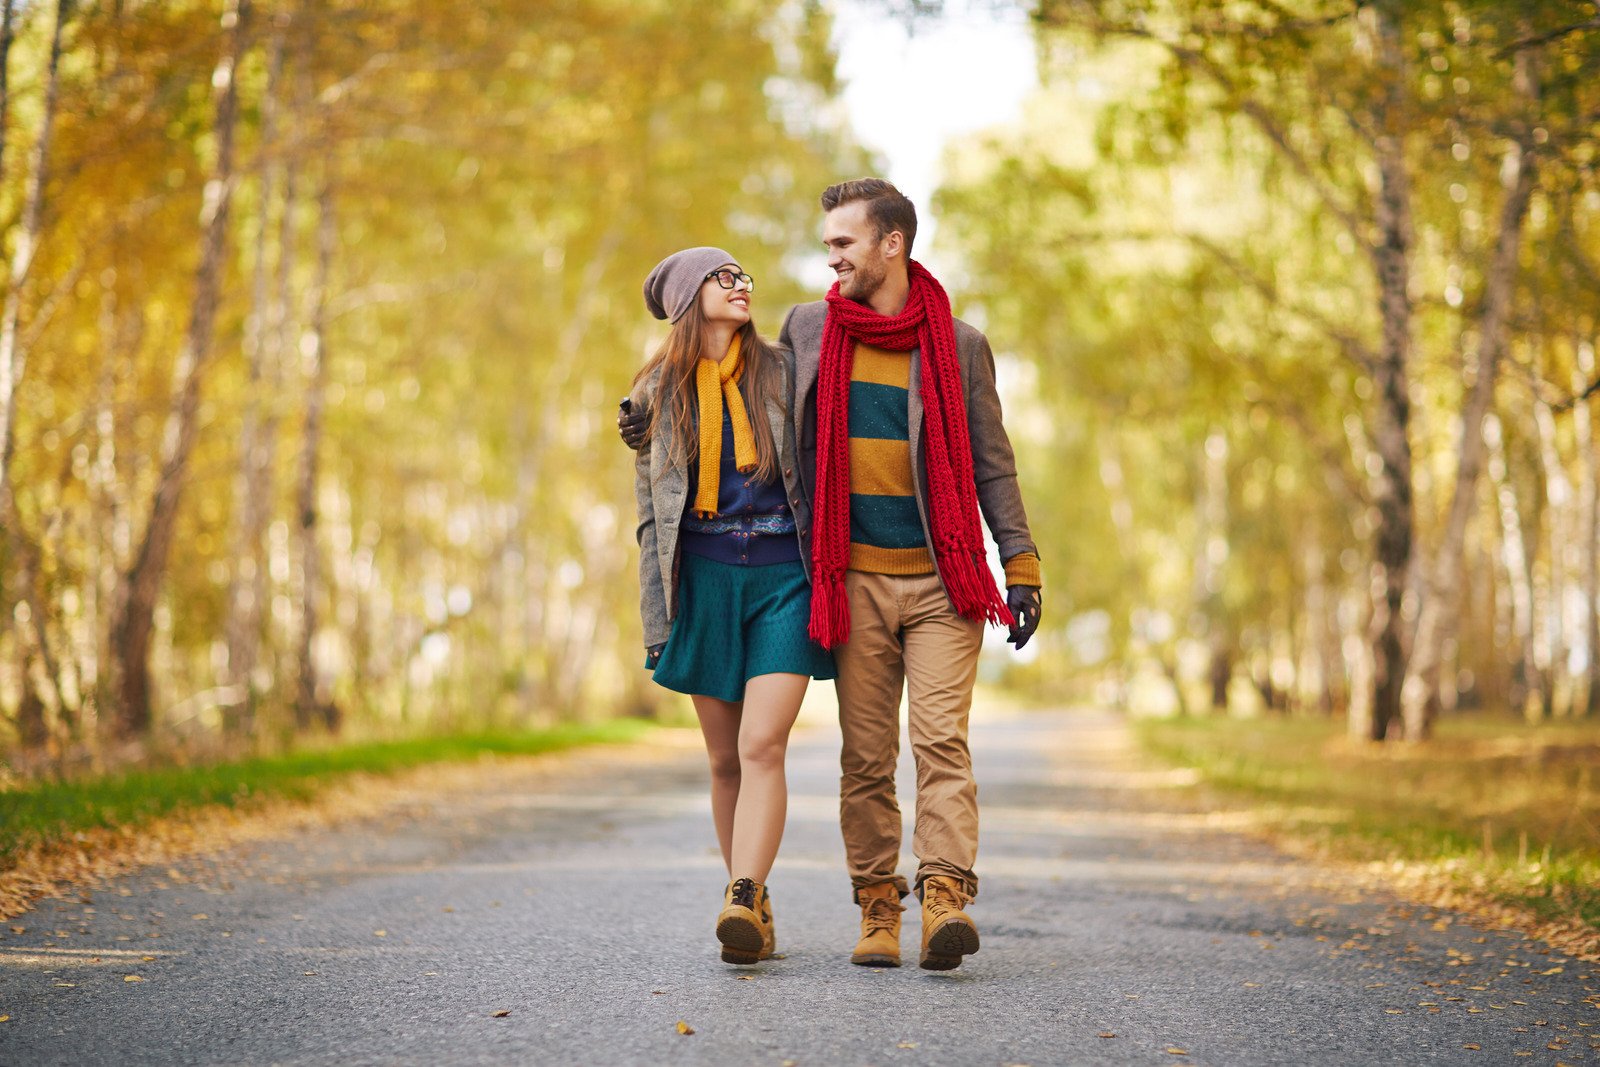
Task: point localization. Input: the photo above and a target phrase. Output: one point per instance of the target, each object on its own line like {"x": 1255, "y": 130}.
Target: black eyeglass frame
{"x": 733, "y": 279}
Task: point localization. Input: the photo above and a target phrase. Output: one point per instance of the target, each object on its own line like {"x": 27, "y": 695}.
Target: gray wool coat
{"x": 661, "y": 490}
{"x": 994, "y": 466}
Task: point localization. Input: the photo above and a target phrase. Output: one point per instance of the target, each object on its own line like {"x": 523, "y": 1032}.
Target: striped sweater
{"x": 886, "y": 532}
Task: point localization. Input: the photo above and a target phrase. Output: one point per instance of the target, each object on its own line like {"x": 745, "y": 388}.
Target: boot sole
{"x": 741, "y": 940}
{"x": 876, "y": 960}
{"x": 948, "y": 944}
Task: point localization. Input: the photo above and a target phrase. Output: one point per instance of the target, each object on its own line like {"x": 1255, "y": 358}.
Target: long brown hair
{"x": 676, "y": 400}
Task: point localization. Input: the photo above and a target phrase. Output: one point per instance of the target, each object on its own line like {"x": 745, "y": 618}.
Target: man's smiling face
{"x": 856, "y": 254}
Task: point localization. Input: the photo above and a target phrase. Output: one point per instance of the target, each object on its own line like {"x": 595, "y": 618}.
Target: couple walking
{"x": 810, "y": 509}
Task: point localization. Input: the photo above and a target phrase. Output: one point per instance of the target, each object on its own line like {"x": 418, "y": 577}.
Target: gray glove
{"x": 1025, "y": 602}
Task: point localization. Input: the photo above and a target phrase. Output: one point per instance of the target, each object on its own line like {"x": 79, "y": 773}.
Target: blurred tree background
{"x": 1310, "y": 295}
{"x": 315, "y": 315}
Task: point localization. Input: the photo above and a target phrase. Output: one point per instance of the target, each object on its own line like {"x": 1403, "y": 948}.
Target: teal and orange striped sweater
{"x": 886, "y": 534}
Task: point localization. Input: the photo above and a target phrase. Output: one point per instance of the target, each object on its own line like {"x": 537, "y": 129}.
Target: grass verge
{"x": 1498, "y": 809}
{"x": 42, "y": 814}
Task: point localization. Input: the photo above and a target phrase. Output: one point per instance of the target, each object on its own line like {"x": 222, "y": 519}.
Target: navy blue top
{"x": 753, "y": 525}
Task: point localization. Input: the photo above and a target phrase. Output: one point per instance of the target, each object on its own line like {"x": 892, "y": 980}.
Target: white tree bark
{"x": 1441, "y": 601}
{"x": 312, "y": 705}
{"x": 1587, "y": 522}
{"x": 1514, "y": 548}
{"x": 247, "y": 590}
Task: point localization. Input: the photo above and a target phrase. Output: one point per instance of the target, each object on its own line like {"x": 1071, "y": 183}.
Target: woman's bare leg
{"x": 719, "y": 725}
{"x": 771, "y": 703}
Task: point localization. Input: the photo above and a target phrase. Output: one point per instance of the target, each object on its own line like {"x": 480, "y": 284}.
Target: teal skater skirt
{"x": 736, "y": 623}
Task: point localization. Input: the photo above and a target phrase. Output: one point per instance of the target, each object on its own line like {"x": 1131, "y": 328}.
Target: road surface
{"x": 563, "y": 914}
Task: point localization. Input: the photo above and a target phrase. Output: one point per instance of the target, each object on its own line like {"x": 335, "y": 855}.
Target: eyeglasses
{"x": 728, "y": 279}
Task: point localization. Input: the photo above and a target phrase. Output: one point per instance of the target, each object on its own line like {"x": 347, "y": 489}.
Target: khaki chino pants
{"x": 905, "y": 633}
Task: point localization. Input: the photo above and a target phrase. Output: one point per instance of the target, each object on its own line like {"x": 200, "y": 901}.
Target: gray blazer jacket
{"x": 661, "y": 490}
{"x": 994, "y": 467}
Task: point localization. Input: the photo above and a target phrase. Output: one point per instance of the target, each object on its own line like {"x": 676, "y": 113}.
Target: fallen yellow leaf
{"x": 309, "y": 974}
{"x": 1473, "y": 1048}
{"x": 5, "y": 1018}
{"x": 1107, "y": 1033}
{"x": 1252, "y": 985}
{"x": 148, "y": 959}
{"x": 380, "y": 933}
{"x": 1176, "y": 1051}
{"x": 502, "y": 1013}
{"x": 1393, "y": 1011}
{"x": 200, "y": 915}
{"x": 684, "y": 1028}
{"x": 906, "y": 1044}
{"x": 131, "y": 978}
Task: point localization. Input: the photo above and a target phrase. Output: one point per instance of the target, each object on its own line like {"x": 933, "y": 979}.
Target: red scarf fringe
{"x": 925, "y": 324}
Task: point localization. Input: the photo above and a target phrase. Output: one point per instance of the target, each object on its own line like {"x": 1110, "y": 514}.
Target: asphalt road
{"x": 578, "y": 895}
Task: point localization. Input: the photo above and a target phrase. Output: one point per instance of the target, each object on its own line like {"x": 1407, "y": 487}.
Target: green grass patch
{"x": 43, "y": 812}
{"x": 1500, "y": 807}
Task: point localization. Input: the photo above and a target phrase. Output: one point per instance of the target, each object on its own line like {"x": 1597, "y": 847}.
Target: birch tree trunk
{"x": 1518, "y": 561}
{"x": 1392, "y": 415}
{"x": 13, "y": 357}
{"x": 1587, "y": 521}
{"x": 132, "y": 622}
{"x": 1551, "y": 602}
{"x": 7, "y": 35}
{"x": 1442, "y": 598}
{"x": 253, "y": 483}
{"x": 311, "y": 704}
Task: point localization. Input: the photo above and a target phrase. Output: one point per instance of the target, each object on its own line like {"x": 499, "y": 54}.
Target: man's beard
{"x": 864, "y": 282}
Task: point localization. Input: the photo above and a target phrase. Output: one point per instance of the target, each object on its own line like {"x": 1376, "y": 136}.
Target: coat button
{"x": 787, "y": 471}
{"x": 796, "y": 501}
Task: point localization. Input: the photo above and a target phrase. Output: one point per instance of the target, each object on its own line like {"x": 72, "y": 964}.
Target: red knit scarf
{"x": 927, "y": 325}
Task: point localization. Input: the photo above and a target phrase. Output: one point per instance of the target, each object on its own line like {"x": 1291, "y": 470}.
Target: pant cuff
{"x": 857, "y": 884}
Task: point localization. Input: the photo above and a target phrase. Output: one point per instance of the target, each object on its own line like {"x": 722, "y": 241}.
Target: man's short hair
{"x": 887, "y": 206}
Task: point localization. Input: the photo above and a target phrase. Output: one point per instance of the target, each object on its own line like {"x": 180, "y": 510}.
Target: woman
{"x": 723, "y": 591}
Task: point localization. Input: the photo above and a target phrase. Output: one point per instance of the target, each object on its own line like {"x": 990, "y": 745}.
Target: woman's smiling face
{"x": 725, "y": 305}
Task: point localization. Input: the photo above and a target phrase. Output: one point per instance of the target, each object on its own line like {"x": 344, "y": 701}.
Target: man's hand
{"x": 652, "y": 656}
{"x": 1025, "y": 602}
{"x": 633, "y": 425}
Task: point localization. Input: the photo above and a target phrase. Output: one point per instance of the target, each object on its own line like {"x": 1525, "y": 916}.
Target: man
{"x": 901, "y": 445}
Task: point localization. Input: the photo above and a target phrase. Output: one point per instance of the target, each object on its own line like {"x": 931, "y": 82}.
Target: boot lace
{"x": 881, "y": 914}
{"x": 941, "y": 898}
{"x": 744, "y": 893}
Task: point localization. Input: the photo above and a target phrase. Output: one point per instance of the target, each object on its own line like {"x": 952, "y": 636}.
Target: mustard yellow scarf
{"x": 715, "y": 382}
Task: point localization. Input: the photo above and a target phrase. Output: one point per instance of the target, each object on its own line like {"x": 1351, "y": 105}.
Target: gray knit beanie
{"x": 672, "y": 286}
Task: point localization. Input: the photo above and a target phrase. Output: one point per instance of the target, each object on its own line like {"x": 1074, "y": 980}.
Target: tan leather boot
{"x": 769, "y": 936}
{"x": 948, "y": 933}
{"x": 880, "y": 926}
{"x": 745, "y": 926}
